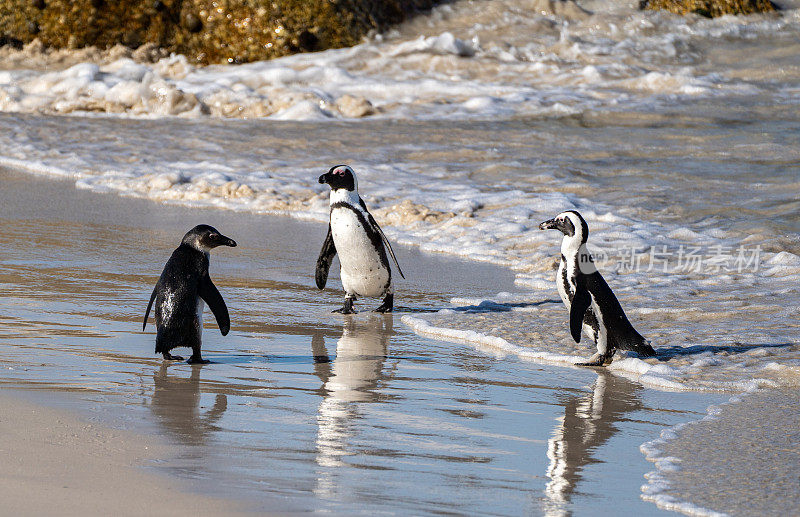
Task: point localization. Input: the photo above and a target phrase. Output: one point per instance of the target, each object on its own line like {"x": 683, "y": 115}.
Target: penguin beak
{"x": 224, "y": 241}
{"x": 323, "y": 178}
{"x": 550, "y": 224}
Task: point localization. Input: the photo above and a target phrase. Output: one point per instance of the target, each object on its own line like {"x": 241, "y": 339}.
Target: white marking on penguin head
{"x": 341, "y": 177}
{"x": 571, "y": 224}
{"x": 576, "y": 233}
{"x": 580, "y": 230}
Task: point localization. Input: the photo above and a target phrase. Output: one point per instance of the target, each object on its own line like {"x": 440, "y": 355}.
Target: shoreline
{"x": 658, "y": 490}
{"x": 202, "y": 399}
{"x": 671, "y": 135}
{"x": 762, "y": 454}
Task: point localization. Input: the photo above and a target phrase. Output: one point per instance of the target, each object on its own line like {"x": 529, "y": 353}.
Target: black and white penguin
{"x": 592, "y": 305}
{"x": 360, "y": 242}
{"x": 180, "y": 292}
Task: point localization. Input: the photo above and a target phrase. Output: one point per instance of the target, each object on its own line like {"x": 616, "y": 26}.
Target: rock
{"x": 149, "y": 53}
{"x": 193, "y": 23}
{"x": 307, "y": 41}
{"x": 710, "y": 8}
{"x": 354, "y": 107}
{"x": 206, "y": 31}
{"x": 11, "y": 42}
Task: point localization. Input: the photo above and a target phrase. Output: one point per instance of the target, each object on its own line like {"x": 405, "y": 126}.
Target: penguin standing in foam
{"x": 360, "y": 243}
{"x": 592, "y": 305}
{"x": 180, "y": 292}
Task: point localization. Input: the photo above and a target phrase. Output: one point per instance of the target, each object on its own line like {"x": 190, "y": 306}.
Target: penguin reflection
{"x": 589, "y": 421}
{"x": 176, "y": 404}
{"x": 350, "y": 379}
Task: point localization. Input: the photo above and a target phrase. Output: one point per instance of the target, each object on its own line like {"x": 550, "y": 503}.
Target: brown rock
{"x": 710, "y": 8}
{"x": 206, "y": 31}
{"x": 193, "y": 23}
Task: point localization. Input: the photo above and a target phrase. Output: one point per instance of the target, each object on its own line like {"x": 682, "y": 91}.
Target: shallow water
{"x": 675, "y": 137}
{"x": 483, "y": 198}
{"x": 304, "y": 410}
{"x": 759, "y": 459}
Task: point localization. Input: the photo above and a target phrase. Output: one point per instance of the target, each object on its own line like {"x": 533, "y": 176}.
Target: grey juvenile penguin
{"x": 181, "y": 290}
{"x": 592, "y": 305}
{"x": 359, "y": 241}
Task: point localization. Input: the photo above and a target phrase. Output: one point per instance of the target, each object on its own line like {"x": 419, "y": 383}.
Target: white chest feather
{"x": 362, "y": 272}
{"x": 565, "y": 282}
{"x": 200, "y": 307}
{"x": 167, "y": 306}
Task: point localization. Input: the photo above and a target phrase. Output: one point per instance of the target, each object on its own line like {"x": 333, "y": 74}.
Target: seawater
{"x": 304, "y": 410}
{"x": 675, "y": 137}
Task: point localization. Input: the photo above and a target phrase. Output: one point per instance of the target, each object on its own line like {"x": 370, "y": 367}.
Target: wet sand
{"x": 53, "y": 463}
{"x": 757, "y": 446}
{"x": 304, "y": 410}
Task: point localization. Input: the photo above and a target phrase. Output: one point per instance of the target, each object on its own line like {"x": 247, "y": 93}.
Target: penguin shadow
{"x": 483, "y": 307}
{"x": 666, "y": 353}
{"x": 590, "y": 420}
{"x": 350, "y": 378}
{"x": 176, "y": 406}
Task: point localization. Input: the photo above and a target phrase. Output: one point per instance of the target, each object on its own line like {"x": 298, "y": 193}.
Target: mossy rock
{"x": 710, "y": 8}
{"x": 204, "y": 30}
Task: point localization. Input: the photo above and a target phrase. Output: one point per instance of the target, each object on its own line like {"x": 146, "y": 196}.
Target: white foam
{"x": 521, "y": 67}
{"x": 657, "y": 487}
{"x": 516, "y": 65}
{"x": 714, "y": 332}
{"x": 492, "y": 344}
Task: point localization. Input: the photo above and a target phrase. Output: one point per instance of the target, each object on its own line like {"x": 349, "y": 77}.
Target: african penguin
{"x": 592, "y": 305}
{"x": 181, "y": 290}
{"x": 359, "y": 241}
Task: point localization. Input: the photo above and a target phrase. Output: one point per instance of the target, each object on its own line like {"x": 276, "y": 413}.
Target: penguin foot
{"x": 170, "y": 357}
{"x": 598, "y": 359}
{"x": 197, "y": 360}
{"x": 387, "y": 305}
{"x": 347, "y": 308}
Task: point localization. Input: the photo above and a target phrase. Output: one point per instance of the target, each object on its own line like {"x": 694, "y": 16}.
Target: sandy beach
{"x": 675, "y": 137}
{"x": 302, "y": 410}
{"x": 55, "y": 463}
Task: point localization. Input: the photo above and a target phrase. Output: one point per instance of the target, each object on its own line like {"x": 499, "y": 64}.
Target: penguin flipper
{"x": 149, "y": 306}
{"x": 580, "y": 302}
{"x": 325, "y": 260}
{"x": 209, "y": 293}
{"x": 385, "y": 241}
